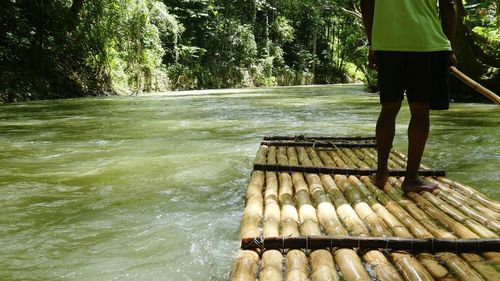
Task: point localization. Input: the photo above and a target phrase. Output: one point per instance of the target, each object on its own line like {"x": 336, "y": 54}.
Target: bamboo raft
{"x": 312, "y": 213}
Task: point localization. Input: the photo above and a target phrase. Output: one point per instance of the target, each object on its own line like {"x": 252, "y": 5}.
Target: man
{"x": 411, "y": 48}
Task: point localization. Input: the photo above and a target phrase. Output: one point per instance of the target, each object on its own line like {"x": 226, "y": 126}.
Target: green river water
{"x": 152, "y": 187}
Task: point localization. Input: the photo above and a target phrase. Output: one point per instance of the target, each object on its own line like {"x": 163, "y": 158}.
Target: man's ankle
{"x": 411, "y": 177}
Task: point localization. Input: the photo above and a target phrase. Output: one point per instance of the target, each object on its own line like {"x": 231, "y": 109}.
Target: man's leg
{"x": 386, "y": 128}
{"x": 418, "y": 131}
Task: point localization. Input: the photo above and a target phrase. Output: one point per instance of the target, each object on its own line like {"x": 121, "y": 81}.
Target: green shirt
{"x": 408, "y": 25}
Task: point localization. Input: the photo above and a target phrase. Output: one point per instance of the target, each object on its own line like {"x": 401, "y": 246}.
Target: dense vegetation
{"x": 68, "y": 48}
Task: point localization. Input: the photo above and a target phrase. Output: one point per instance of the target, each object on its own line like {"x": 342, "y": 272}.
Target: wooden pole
{"x": 335, "y": 170}
{"x": 368, "y": 243}
{"x": 317, "y": 144}
{"x": 304, "y": 137}
{"x": 474, "y": 85}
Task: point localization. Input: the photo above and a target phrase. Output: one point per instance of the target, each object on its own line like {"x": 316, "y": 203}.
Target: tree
{"x": 478, "y": 57}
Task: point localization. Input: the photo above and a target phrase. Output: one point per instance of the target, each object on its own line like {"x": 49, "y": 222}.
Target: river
{"x": 152, "y": 187}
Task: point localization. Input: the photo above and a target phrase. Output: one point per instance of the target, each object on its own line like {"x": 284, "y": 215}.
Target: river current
{"x": 152, "y": 187}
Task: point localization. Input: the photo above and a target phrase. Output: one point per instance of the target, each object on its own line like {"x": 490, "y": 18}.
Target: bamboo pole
{"x": 381, "y": 266}
{"x": 418, "y": 214}
{"x": 309, "y": 224}
{"x": 474, "y": 260}
{"x": 254, "y": 206}
{"x": 352, "y": 269}
{"x": 289, "y": 216}
{"x": 338, "y": 162}
{"x": 271, "y": 266}
{"x": 435, "y": 268}
{"x": 272, "y": 217}
{"x": 391, "y": 221}
{"x": 363, "y": 210}
{"x": 317, "y": 144}
{"x": 345, "y": 212}
{"x": 453, "y": 195}
{"x": 417, "y": 229}
{"x": 391, "y": 163}
{"x": 489, "y": 271}
{"x": 350, "y": 265}
{"x": 469, "y": 206}
{"x": 351, "y": 153}
{"x": 411, "y": 268}
{"x": 458, "y": 266}
{"x": 370, "y": 243}
{"x": 472, "y": 193}
{"x": 474, "y": 85}
{"x": 458, "y": 228}
{"x": 272, "y": 211}
{"x": 349, "y": 162}
{"x": 369, "y": 139}
{"x": 322, "y": 266}
{"x": 457, "y": 215}
{"x": 253, "y": 211}
{"x": 376, "y": 225}
{"x": 296, "y": 266}
{"x": 261, "y": 157}
{"x": 244, "y": 266}
{"x": 326, "y": 213}
{"x": 481, "y": 266}
{"x": 366, "y": 159}
{"x": 336, "y": 170}
{"x": 431, "y": 265}
{"x": 420, "y": 231}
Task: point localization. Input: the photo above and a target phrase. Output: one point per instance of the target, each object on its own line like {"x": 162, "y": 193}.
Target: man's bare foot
{"x": 380, "y": 179}
{"x": 418, "y": 185}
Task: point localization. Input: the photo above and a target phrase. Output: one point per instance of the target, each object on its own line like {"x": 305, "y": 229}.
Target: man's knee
{"x": 391, "y": 108}
{"x": 419, "y": 109}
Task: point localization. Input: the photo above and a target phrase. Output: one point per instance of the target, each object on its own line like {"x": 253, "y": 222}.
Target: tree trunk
{"x": 74, "y": 13}
{"x": 314, "y": 47}
{"x": 498, "y": 13}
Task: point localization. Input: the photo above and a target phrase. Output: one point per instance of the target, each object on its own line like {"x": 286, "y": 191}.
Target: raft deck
{"x": 313, "y": 214}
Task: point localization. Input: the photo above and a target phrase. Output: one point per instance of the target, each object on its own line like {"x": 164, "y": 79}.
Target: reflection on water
{"x": 151, "y": 188}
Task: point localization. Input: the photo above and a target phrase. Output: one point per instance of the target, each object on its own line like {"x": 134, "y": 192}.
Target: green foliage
{"x": 283, "y": 30}
{"x": 66, "y": 48}
{"x": 484, "y": 21}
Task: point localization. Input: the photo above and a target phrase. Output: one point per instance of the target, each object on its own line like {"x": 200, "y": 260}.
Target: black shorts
{"x": 422, "y": 75}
